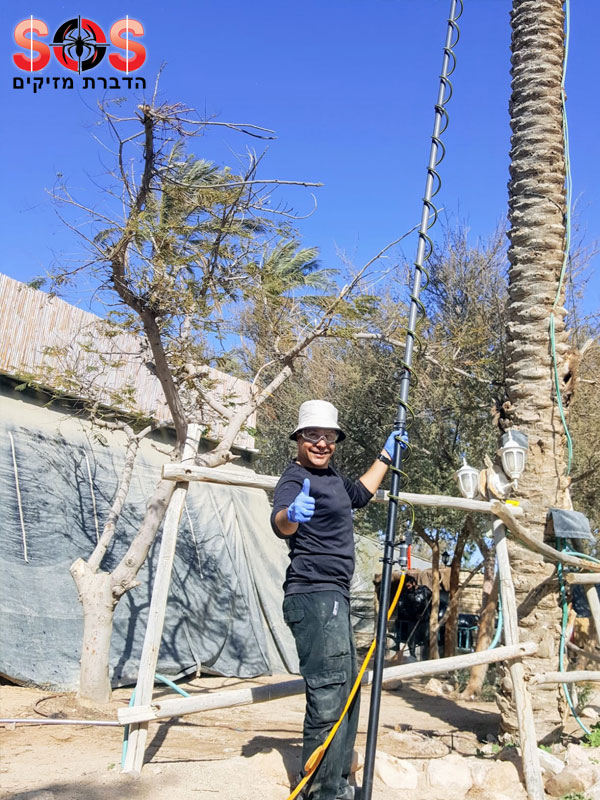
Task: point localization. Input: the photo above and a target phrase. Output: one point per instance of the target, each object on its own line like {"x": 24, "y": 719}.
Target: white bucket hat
{"x": 318, "y": 414}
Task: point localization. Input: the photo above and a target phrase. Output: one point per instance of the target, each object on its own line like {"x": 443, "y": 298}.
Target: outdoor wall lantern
{"x": 468, "y": 480}
{"x": 513, "y": 456}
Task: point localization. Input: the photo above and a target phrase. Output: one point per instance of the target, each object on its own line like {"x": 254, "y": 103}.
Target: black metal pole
{"x": 422, "y": 255}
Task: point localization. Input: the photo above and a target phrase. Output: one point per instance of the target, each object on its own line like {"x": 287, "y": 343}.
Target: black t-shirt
{"x": 322, "y": 549}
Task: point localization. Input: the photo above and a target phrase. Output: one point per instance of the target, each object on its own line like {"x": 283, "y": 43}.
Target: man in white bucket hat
{"x": 312, "y": 509}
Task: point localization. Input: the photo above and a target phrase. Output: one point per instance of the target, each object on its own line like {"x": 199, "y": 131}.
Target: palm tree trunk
{"x": 536, "y": 252}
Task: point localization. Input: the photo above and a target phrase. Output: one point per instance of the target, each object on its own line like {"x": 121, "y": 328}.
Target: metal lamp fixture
{"x": 468, "y": 480}
{"x": 513, "y": 456}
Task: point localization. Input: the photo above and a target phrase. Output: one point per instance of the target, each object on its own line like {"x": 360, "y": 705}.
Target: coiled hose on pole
{"x": 404, "y": 417}
{"x": 405, "y": 414}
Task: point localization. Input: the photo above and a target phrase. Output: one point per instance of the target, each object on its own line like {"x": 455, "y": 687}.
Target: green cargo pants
{"x": 320, "y": 624}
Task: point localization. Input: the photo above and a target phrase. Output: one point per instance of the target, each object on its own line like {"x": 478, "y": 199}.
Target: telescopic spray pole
{"x": 424, "y": 248}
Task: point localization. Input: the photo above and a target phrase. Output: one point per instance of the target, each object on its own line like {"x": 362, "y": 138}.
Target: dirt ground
{"x": 248, "y": 752}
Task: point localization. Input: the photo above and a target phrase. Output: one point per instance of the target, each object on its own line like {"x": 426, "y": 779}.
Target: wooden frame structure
{"x": 158, "y": 604}
{"x": 179, "y": 706}
{"x": 504, "y": 516}
{"x": 589, "y": 580}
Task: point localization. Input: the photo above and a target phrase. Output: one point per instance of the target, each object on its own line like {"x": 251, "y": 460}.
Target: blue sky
{"x": 349, "y": 89}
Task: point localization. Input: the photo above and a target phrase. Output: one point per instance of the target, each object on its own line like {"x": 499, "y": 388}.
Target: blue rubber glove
{"x": 391, "y": 441}
{"x": 303, "y": 507}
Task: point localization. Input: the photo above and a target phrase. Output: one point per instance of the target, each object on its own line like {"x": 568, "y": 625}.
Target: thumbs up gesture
{"x": 303, "y": 507}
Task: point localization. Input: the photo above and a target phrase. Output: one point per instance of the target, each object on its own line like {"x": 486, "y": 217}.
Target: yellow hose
{"x": 316, "y": 757}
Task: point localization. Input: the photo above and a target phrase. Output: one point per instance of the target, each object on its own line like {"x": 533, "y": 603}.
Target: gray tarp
{"x": 569, "y": 524}
{"x": 224, "y": 609}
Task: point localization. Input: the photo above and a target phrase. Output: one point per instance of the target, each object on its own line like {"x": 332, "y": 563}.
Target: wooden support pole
{"x": 505, "y": 513}
{"x": 525, "y": 720}
{"x": 158, "y": 604}
{"x": 445, "y": 501}
{"x": 180, "y": 472}
{"x": 176, "y": 707}
{"x": 567, "y": 677}
{"x": 583, "y": 653}
{"x": 582, "y": 578}
{"x": 594, "y": 604}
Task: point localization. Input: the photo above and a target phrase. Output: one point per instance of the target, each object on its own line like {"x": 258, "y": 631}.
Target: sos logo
{"x": 80, "y": 44}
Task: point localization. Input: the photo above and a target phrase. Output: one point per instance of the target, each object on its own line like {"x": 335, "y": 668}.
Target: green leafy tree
{"x": 196, "y": 261}
{"x": 458, "y": 390}
{"x": 584, "y": 425}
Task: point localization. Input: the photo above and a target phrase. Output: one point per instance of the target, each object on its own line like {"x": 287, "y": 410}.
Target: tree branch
{"x": 164, "y": 375}
{"x": 124, "y": 575}
{"x": 429, "y": 540}
{"x": 133, "y": 443}
{"x": 235, "y": 184}
{"x": 517, "y": 530}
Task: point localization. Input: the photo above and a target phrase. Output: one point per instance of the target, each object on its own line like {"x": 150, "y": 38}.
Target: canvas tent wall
{"x": 224, "y": 609}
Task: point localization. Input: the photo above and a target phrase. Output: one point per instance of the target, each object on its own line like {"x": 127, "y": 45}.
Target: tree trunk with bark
{"x": 95, "y": 594}
{"x": 99, "y": 592}
{"x": 536, "y": 254}
{"x": 434, "y": 623}
{"x": 451, "y": 615}
{"x": 487, "y": 617}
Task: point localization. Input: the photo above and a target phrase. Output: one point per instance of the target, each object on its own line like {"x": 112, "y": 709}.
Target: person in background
{"x": 312, "y": 509}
